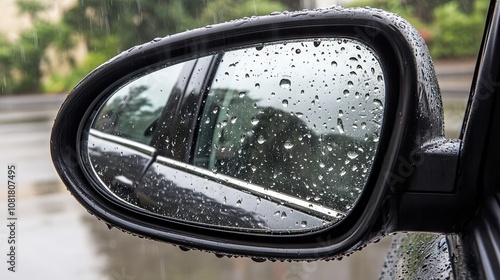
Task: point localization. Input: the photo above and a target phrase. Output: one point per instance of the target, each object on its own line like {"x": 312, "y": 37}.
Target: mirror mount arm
{"x": 430, "y": 201}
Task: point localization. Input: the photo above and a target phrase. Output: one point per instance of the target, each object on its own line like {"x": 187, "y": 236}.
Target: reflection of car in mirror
{"x": 275, "y": 116}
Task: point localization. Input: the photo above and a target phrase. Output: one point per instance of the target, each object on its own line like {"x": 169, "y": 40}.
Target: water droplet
{"x": 257, "y": 85}
{"x": 322, "y": 165}
{"x": 379, "y": 78}
{"x": 238, "y": 202}
{"x": 284, "y": 102}
{"x": 288, "y": 145}
{"x": 353, "y": 59}
{"x": 242, "y": 94}
{"x": 261, "y": 139}
{"x": 259, "y": 47}
{"x": 285, "y": 83}
{"x": 378, "y": 103}
{"x": 346, "y": 92}
{"x": 254, "y": 168}
{"x": 283, "y": 215}
{"x": 215, "y": 110}
{"x": 350, "y": 84}
{"x": 297, "y": 51}
{"x": 363, "y": 125}
{"x": 299, "y": 114}
{"x": 233, "y": 119}
{"x": 334, "y": 63}
{"x": 303, "y": 224}
{"x": 341, "y": 113}
{"x": 352, "y": 154}
{"x": 317, "y": 42}
{"x": 254, "y": 121}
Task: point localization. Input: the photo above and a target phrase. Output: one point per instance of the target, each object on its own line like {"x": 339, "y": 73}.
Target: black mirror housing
{"x": 413, "y": 118}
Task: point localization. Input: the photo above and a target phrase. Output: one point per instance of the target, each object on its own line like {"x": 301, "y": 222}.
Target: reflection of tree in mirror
{"x": 276, "y": 149}
{"x": 128, "y": 115}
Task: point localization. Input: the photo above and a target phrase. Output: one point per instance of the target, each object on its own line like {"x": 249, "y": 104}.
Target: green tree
{"x": 129, "y": 21}
{"x": 222, "y": 10}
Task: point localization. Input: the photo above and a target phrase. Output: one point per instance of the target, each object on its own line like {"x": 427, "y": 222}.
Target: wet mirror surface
{"x": 285, "y": 140}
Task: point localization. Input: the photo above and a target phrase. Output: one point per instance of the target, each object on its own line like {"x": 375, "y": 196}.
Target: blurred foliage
{"x": 109, "y": 27}
{"x": 451, "y": 28}
{"x": 456, "y": 32}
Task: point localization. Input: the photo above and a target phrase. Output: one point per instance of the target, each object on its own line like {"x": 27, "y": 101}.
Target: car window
{"x": 301, "y": 118}
{"x": 133, "y": 110}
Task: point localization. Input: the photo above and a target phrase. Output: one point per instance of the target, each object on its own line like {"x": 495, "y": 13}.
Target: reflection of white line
{"x": 125, "y": 142}
{"x": 290, "y": 201}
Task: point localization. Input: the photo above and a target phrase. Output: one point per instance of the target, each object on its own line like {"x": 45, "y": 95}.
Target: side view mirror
{"x": 288, "y": 136}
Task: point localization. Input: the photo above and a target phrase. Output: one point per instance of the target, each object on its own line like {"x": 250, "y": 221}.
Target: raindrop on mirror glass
{"x": 317, "y": 42}
{"x": 254, "y": 121}
{"x": 284, "y": 102}
{"x": 285, "y": 83}
{"x": 288, "y": 145}
{"x": 242, "y": 94}
{"x": 257, "y": 85}
{"x": 261, "y": 139}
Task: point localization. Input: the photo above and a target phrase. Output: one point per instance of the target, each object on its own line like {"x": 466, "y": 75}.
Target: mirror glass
{"x": 285, "y": 138}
